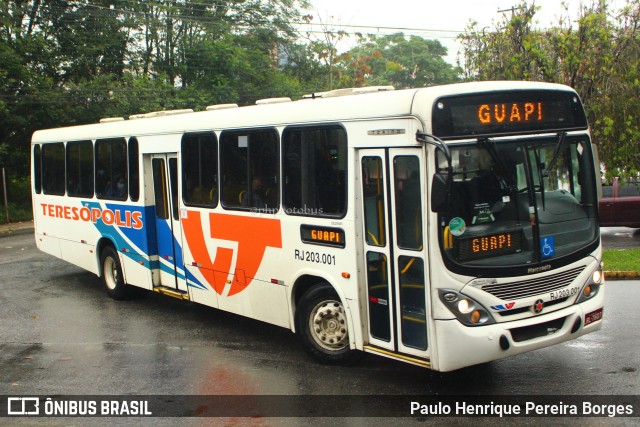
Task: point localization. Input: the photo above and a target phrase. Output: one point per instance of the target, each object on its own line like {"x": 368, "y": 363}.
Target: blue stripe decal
{"x": 143, "y": 240}
{"x": 193, "y": 282}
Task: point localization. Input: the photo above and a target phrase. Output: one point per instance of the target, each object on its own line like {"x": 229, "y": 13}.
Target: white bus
{"x": 443, "y": 226}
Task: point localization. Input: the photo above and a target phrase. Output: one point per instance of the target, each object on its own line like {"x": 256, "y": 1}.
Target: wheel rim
{"x": 110, "y": 273}
{"x": 328, "y": 325}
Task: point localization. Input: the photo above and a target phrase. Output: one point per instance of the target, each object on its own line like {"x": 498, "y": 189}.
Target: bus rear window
{"x": 37, "y": 170}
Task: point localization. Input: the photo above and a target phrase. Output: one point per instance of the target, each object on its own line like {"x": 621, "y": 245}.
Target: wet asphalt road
{"x": 61, "y": 334}
{"x": 620, "y": 237}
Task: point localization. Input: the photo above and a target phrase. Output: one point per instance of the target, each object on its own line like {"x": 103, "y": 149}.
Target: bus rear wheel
{"x": 321, "y": 323}
{"x": 112, "y": 276}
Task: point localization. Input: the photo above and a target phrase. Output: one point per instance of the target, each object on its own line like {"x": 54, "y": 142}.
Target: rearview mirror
{"x": 440, "y": 192}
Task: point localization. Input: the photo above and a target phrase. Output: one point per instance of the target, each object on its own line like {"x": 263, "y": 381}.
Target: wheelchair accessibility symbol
{"x": 547, "y": 247}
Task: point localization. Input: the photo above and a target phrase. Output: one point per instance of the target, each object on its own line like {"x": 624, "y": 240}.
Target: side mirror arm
{"x": 426, "y": 138}
{"x": 441, "y": 185}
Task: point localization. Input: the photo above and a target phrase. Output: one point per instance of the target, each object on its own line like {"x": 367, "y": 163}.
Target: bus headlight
{"x": 464, "y": 306}
{"x": 592, "y": 285}
{"x": 468, "y": 311}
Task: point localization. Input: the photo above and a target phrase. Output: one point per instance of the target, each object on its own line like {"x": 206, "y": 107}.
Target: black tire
{"x": 112, "y": 276}
{"x": 321, "y": 324}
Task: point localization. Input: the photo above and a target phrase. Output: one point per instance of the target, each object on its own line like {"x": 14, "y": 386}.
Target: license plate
{"x": 594, "y": 316}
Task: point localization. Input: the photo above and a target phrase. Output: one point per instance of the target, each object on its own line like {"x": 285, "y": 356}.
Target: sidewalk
{"x": 14, "y": 228}
{"x": 26, "y": 227}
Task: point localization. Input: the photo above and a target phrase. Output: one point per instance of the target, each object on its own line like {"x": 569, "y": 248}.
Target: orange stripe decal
{"x": 253, "y": 235}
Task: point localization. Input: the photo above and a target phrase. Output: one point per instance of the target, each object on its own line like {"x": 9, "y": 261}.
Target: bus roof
{"x": 384, "y": 104}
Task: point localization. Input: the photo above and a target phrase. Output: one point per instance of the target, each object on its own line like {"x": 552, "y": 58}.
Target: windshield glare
{"x": 507, "y": 208}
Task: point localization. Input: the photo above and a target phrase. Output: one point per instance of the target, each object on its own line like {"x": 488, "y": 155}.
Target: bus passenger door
{"x": 393, "y": 195}
{"x": 170, "y": 267}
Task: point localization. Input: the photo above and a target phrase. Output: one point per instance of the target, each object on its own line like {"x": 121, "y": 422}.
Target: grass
{"x": 621, "y": 259}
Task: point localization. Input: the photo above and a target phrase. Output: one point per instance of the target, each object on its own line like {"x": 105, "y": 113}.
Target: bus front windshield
{"x": 518, "y": 202}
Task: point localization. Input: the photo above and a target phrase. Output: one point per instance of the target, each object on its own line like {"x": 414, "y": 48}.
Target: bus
{"x": 444, "y": 226}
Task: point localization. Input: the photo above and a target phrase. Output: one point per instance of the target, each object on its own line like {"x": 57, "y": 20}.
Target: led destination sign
{"x": 500, "y": 113}
{"x": 515, "y": 112}
{"x": 488, "y": 246}
{"x": 326, "y": 236}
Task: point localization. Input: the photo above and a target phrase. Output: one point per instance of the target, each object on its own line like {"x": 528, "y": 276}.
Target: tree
{"x": 599, "y": 58}
{"x": 399, "y": 61}
{"x": 68, "y": 62}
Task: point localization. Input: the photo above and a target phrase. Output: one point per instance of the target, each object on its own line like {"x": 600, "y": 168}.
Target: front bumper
{"x": 460, "y": 346}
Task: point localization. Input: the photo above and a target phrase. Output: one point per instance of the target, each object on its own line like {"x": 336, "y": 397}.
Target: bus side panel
{"x": 325, "y": 263}
{"x": 228, "y": 269}
{"x": 266, "y": 296}
{"x": 262, "y": 300}
{"x": 197, "y": 281}
{"x": 70, "y": 229}
{"x": 63, "y": 232}
{"x": 48, "y": 244}
{"x": 79, "y": 254}
{"x": 136, "y": 270}
{"x": 139, "y": 256}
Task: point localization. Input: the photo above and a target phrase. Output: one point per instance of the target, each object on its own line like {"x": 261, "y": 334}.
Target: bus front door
{"x": 168, "y": 276}
{"x": 393, "y": 198}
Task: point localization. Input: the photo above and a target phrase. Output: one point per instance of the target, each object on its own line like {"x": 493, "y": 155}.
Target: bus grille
{"x": 529, "y": 288}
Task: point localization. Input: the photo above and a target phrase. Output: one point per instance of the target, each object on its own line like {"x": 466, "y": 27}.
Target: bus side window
{"x": 373, "y": 194}
{"x": 249, "y": 165}
{"x": 80, "y": 169}
{"x": 408, "y": 202}
{"x": 200, "y": 170}
{"x": 111, "y": 169}
{"x": 53, "y": 168}
{"x": 134, "y": 169}
{"x": 315, "y": 170}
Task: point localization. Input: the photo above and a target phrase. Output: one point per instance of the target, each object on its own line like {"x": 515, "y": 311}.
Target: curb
{"x": 19, "y": 229}
{"x": 621, "y": 275}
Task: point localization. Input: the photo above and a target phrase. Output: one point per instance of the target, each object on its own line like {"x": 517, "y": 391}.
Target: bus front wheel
{"x": 112, "y": 273}
{"x": 321, "y": 323}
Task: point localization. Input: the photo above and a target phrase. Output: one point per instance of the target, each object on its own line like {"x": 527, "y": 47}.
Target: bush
{"x": 19, "y": 198}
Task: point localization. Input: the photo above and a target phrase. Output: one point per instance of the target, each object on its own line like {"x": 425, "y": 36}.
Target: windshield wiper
{"x": 562, "y": 137}
{"x": 541, "y": 177}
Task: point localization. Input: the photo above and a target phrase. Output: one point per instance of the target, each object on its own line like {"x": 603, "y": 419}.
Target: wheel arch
{"x": 306, "y": 281}
{"x": 103, "y": 243}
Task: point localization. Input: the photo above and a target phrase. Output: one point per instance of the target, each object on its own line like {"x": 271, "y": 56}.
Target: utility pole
{"x": 4, "y": 187}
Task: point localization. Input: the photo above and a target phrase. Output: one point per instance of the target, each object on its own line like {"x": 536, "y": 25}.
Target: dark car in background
{"x": 620, "y": 204}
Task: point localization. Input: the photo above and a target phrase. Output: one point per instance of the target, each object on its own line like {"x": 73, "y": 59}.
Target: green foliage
{"x": 597, "y": 54}
{"x": 16, "y": 213}
{"x": 69, "y": 62}
{"x": 18, "y": 198}
{"x": 397, "y": 60}
{"x": 74, "y": 62}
